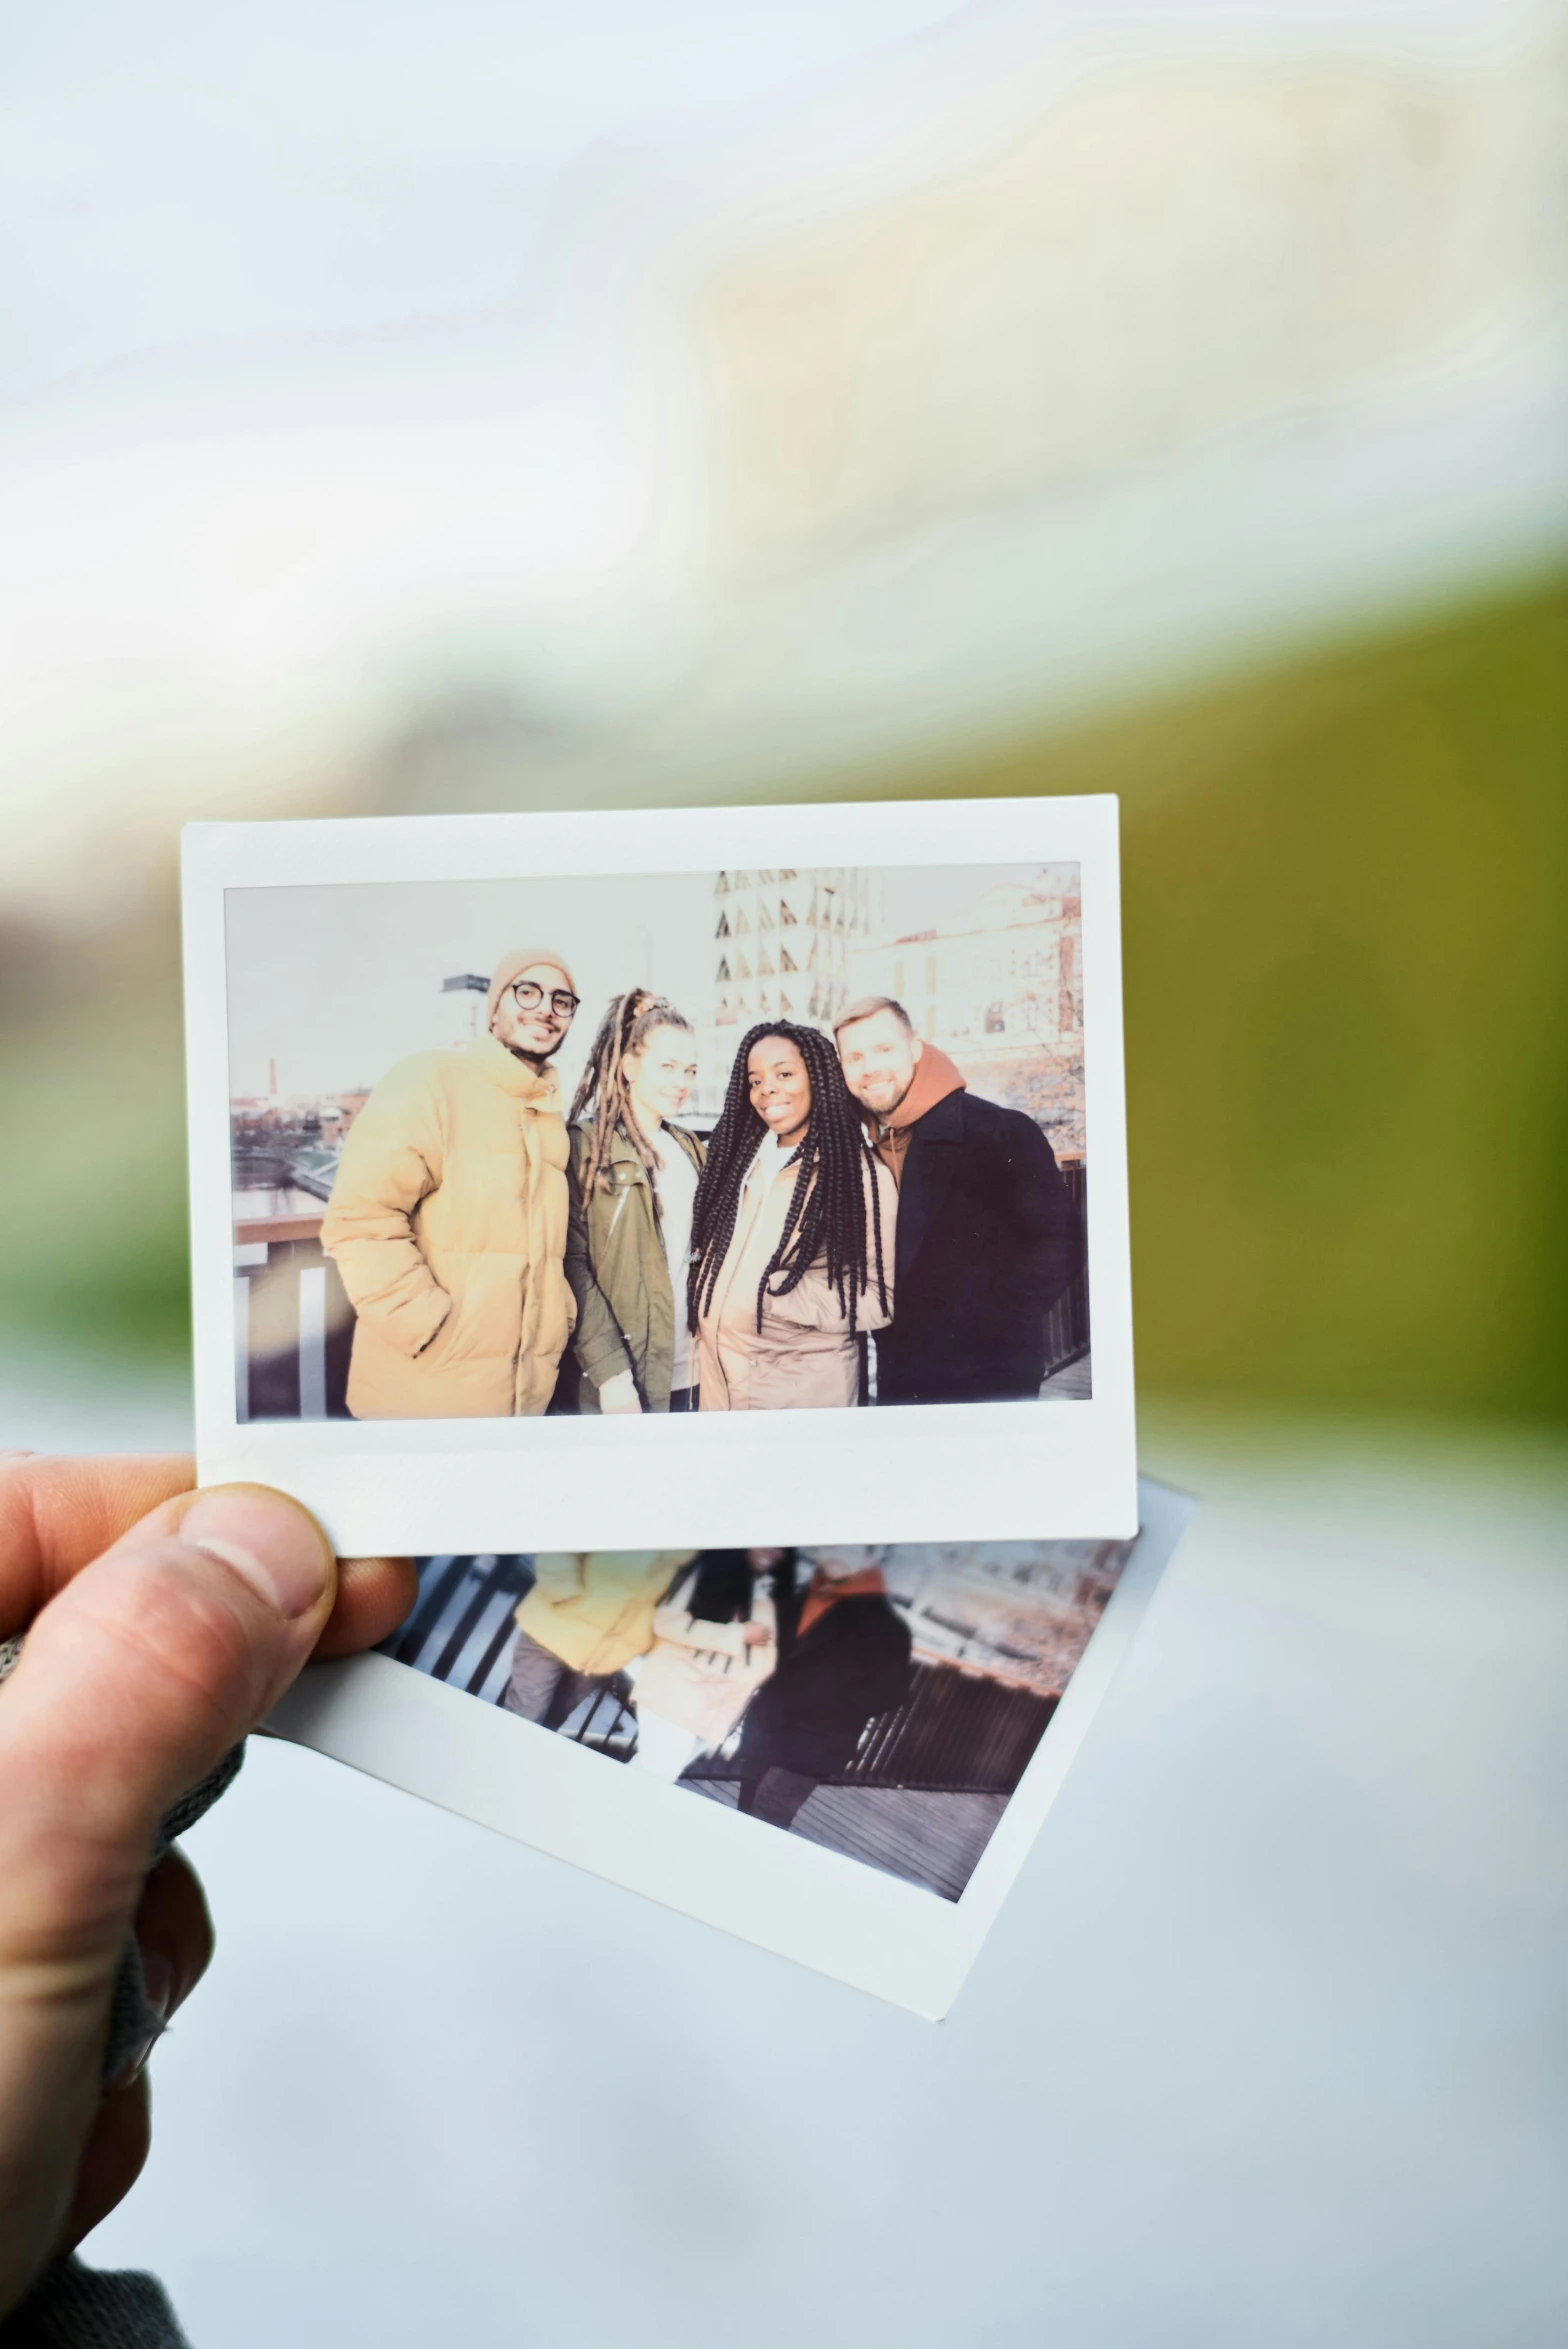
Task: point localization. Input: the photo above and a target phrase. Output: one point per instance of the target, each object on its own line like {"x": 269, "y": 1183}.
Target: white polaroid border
{"x": 838, "y": 1915}
{"x": 950, "y": 1472}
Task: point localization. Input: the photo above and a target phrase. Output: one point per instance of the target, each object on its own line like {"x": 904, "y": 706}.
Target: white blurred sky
{"x": 177, "y": 176}
{"x": 181, "y": 175}
{"x": 337, "y": 983}
{"x": 353, "y": 360}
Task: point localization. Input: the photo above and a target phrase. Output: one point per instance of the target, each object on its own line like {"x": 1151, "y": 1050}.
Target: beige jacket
{"x": 701, "y": 1675}
{"x": 803, "y": 1357}
{"x": 448, "y": 1224}
{"x": 595, "y": 1608}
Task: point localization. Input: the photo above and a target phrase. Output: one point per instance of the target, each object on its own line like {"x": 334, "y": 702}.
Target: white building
{"x": 1000, "y": 988}
{"x": 464, "y": 997}
{"x": 783, "y": 947}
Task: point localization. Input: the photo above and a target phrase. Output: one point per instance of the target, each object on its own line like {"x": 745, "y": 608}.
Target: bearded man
{"x": 988, "y": 1236}
{"x": 448, "y": 1216}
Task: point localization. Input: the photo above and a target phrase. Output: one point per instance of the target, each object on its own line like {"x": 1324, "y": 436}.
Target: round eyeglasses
{"x": 528, "y": 995}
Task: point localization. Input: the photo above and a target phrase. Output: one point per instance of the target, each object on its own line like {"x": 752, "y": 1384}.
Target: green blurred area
{"x": 1347, "y": 1027}
{"x": 1347, "y": 1017}
{"x": 93, "y": 1186}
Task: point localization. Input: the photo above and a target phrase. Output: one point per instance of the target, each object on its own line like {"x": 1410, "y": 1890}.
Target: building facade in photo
{"x": 1000, "y": 990}
{"x": 783, "y": 943}
{"x": 1017, "y": 1613}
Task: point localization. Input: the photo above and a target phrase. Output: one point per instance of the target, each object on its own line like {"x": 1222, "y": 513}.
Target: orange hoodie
{"x": 821, "y": 1594}
{"x": 935, "y": 1077}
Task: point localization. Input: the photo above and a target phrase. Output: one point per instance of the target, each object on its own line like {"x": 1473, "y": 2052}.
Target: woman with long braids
{"x": 632, "y": 1183}
{"x": 792, "y": 1242}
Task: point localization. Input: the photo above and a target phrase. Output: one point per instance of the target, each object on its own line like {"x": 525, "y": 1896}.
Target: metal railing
{"x": 1067, "y": 1323}
{"x": 294, "y": 1325}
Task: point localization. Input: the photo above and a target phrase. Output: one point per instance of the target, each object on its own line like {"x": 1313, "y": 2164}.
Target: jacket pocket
{"x": 486, "y": 1319}
{"x": 442, "y": 1346}
{"x": 813, "y": 1305}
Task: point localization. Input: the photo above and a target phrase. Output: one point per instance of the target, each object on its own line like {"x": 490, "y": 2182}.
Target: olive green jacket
{"x": 616, "y": 1269}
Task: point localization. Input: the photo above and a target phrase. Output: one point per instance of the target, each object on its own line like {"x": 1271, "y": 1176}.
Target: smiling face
{"x": 538, "y": 1029}
{"x": 659, "y": 1076}
{"x": 780, "y": 1087}
{"x": 878, "y": 1056}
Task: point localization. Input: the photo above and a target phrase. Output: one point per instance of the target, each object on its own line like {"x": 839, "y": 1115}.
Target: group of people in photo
{"x": 505, "y": 1256}
{"x": 797, "y": 1652}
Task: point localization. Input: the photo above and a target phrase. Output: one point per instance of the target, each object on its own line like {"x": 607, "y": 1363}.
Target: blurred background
{"x": 661, "y": 402}
{"x": 415, "y": 413}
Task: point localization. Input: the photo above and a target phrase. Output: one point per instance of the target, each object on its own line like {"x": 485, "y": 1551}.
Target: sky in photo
{"x": 335, "y": 983}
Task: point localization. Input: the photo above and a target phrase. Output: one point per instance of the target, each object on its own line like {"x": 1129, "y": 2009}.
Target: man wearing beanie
{"x": 448, "y": 1217}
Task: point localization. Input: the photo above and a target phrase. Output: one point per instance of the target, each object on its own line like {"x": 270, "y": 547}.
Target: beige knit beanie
{"x": 512, "y": 966}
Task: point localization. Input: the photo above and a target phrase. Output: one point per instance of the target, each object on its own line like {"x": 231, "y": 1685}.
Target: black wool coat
{"x": 809, "y": 1713}
{"x": 988, "y": 1239}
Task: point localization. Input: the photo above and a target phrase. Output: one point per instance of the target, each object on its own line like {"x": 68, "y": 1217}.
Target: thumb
{"x": 135, "y": 1680}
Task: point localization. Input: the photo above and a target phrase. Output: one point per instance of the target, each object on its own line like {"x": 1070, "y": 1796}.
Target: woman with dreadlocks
{"x": 632, "y": 1187}
{"x": 792, "y": 1242}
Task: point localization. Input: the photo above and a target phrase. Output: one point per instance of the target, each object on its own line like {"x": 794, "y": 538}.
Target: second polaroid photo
{"x": 843, "y": 1752}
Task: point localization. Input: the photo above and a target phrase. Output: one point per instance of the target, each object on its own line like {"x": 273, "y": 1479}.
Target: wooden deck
{"x": 1074, "y": 1383}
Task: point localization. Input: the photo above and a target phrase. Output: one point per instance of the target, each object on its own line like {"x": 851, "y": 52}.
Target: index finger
{"x": 57, "y": 1515}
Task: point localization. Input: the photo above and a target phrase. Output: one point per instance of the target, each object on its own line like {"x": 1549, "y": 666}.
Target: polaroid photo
{"x": 679, "y": 1177}
{"x": 840, "y": 1751}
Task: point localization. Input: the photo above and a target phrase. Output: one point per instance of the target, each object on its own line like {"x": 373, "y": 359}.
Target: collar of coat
{"x": 540, "y": 1088}
{"x": 623, "y": 1152}
{"x": 943, "y": 1122}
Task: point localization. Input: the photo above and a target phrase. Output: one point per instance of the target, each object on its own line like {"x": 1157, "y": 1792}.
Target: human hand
{"x": 757, "y": 1635}
{"x": 162, "y": 1624}
{"x": 620, "y": 1393}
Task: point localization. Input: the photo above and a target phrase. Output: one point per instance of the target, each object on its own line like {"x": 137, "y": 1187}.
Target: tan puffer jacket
{"x": 594, "y": 1608}
{"x": 448, "y": 1224}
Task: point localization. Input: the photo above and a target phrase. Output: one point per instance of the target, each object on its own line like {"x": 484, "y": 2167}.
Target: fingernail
{"x": 278, "y": 1549}
{"x": 158, "y": 1983}
{"x": 134, "y": 2065}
